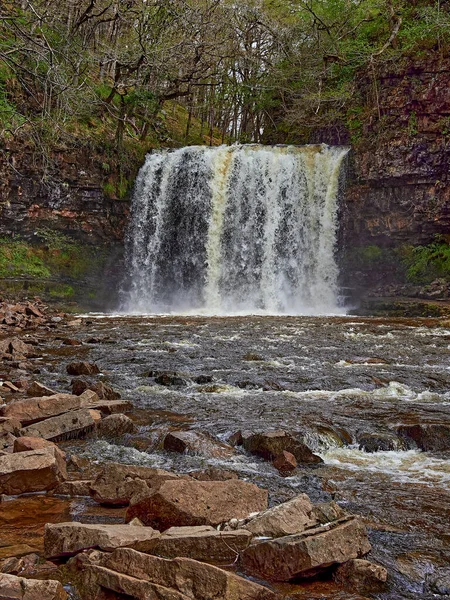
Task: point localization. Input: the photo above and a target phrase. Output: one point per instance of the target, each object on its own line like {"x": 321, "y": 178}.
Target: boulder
{"x": 16, "y": 346}
{"x": 285, "y": 463}
{"x": 25, "y": 444}
{"x": 79, "y": 487}
{"x": 186, "y": 503}
{"x": 115, "y": 425}
{"x": 116, "y": 484}
{"x": 304, "y": 554}
{"x": 213, "y": 474}
{"x": 67, "y": 539}
{"x": 9, "y": 425}
{"x": 197, "y": 443}
{"x": 36, "y": 390}
{"x": 432, "y": 437}
{"x": 326, "y": 512}
{"x": 82, "y": 368}
{"x": 271, "y": 444}
{"x": 169, "y": 379}
{"x": 204, "y": 543}
{"x": 33, "y": 471}
{"x": 71, "y": 425}
{"x": 16, "y": 551}
{"x": 362, "y": 576}
{"x": 288, "y": 518}
{"x": 103, "y": 391}
{"x": 193, "y": 579}
{"x": 376, "y": 442}
{"x": 19, "y": 588}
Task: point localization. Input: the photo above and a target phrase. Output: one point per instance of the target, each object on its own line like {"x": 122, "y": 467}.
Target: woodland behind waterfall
{"x": 141, "y": 73}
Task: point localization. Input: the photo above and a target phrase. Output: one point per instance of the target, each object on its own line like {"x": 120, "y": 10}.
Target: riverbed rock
{"x": 103, "y": 391}
{"x": 82, "y": 368}
{"x": 15, "y": 346}
{"x": 25, "y": 444}
{"x": 67, "y": 539}
{"x": 213, "y": 474}
{"x": 9, "y": 425}
{"x": 192, "y": 579}
{"x": 270, "y": 444}
{"x": 19, "y": 588}
{"x": 188, "y": 503}
{"x": 80, "y": 487}
{"x": 33, "y": 471}
{"x": 36, "y": 389}
{"x": 115, "y": 425}
{"x": 71, "y": 425}
{"x": 376, "y": 442}
{"x": 116, "y": 483}
{"x": 204, "y": 543}
{"x": 196, "y": 443}
{"x": 361, "y": 576}
{"x": 304, "y": 554}
{"x": 169, "y": 378}
{"x": 432, "y": 437}
{"x": 285, "y": 463}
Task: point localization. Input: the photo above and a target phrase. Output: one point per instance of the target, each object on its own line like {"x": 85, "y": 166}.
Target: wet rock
{"x": 72, "y": 425}
{"x": 25, "y": 444}
{"x": 115, "y": 426}
{"x": 36, "y": 390}
{"x": 187, "y": 503}
{"x": 439, "y": 582}
{"x": 428, "y": 437}
{"x": 361, "y": 576}
{"x": 67, "y": 539}
{"x": 169, "y": 379}
{"x": 189, "y": 578}
{"x": 204, "y": 543}
{"x": 304, "y": 554}
{"x": 102, "y": 390}
{"x": 19, "y": 588}
{"x": 116, "y": 483}
{"x": 74, "y": 488}
{"x": 33, "y": 471}
{"x": 236, "y": 439}
{"x": 285, "y": 463}
{"x": 270, "y": 444}
{"x": 71, "y": 342}
{"x": 82, "y": 368}
{"x": 197, "y": 443}
{"x": 202, "y": 379}
{"x": 213, "y": 474}
{"x": 376, "y": 442}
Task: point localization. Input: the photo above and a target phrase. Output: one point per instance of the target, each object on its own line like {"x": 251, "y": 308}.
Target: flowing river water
{"x": 335, "y": 381}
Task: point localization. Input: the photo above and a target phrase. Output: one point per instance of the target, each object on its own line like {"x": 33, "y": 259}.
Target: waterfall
{"x": 235, "y": 229}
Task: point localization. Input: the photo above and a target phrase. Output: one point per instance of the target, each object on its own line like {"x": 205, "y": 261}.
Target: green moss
{"x": 424, "y": 264}
{"x": 18, "y": 259}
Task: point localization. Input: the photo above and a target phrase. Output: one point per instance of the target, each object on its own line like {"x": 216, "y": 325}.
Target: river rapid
{"x": 341, "y": 383}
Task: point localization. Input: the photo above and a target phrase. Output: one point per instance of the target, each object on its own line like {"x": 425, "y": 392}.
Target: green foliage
{"x": 412, "y": 125}
{"x": 426, "y": 263}
{"x": 17, "y": 259}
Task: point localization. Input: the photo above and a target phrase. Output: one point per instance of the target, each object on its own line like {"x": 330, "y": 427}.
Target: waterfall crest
{"x": 235, "y": 229}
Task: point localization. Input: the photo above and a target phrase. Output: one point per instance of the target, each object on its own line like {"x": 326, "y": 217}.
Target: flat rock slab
{"x": 16, "y": 551}
{"x": 34, "y": 471}
{"x": 184, "y": 502}
{"x": 67, "y": 539}
{"x": 70, "y": 425}
{"x": 116, "y": 483}
{"x": 204, "y": 543}
{"x": 195, "y": 580}
{"x": 19, "y": 588}
{"x": 304, "y": 554}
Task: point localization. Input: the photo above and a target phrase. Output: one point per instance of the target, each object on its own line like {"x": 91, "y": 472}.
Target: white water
{"x": 235, "y": 229}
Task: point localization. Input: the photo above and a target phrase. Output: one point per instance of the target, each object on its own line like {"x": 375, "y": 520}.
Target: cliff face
{"x": 398, "y": 186}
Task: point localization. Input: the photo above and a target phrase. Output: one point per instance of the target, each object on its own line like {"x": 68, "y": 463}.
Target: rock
{"x": 73, "y": 488}
{"x": 438, "y": 582}
{"x": 36, "y": 390}
{"x": 67, "y": 539}
{"x": 193, "y": 579}
{"x": 432, "y": 437}
{"x": 16, "y": 346}
{"x": 115, "y": 425}
{"x": 202, "y": 379}
{"x": 326, "y": 512}
{"x": 103, "y": 391}
{"x": 71, "y": 342}
{"x": 251, "y": 356}
{"x": 202, "y": 543}
{"x": 236, "y": 439}
{"x": 82, "y": 368}
{"x": 116, "y": 484}
{"x": 74, "y": 424}
{"x": 170, "y": 379}
{"x": 33, "y": 471}
{"x": 19, "y": 588}
{"x": 30, "y": 565}
{"x": 185, "y": 503}
{"x": 213, "y": 474}
{"x": 361, "y": 576}
{"x": 285, "y": 463}
{"x": 304, "y": 554}
{"x": 10, "y": 387}
{"x": 25, "y": 444}
{"x": 197, "y": 443}
{"x": 376, "y": 442}
{"x": 17, "y": 551}
{"x": 288, "y": 518}
{"x": 9, "y": 425}
{"x": 269, "y": 445}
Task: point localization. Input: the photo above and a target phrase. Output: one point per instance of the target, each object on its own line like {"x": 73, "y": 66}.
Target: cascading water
{"x": 235, "y": 229}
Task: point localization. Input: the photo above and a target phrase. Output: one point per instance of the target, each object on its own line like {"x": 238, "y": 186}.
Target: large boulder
{"x": 116, "y": 484}
{"x": 71, "y": 425}
{"x": 19, "y": 588}
{"x": 189, "y": 578}
{"x": 36, "y": 389}
{"x": 185, "y": 503}
{"x": 204, "y": 543}
{"x": 16, "y": 346}
{"x": 432, "y": 437}
{"x": 34, "y": 471}
{"x": 115, "y": 425}
{"x": 197, "y": 443}
{"x": 82, "y": 368}
{"x": 25, "y": 444}
{"x": 103, "y": 391}
{"x": 361, "y": 576}
{"x": 67, "y": 539}
{"x": 271, "y": 444}
{"x": 304, "y": 554}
